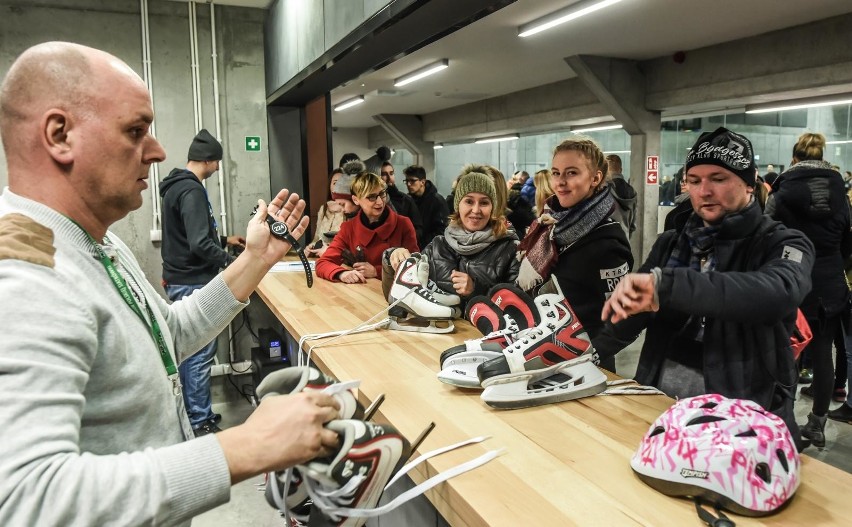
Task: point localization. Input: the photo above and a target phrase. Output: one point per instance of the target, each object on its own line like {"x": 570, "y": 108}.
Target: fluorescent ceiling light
{"x": 437, "y": 146}
{"x": 435, "y": 67}
{"x": 838, "y": 142}
{"x": 349, "y": 103}
{"x": 496, "y": 139}
{"x": 798, "y": 104}
{"x": 597, "y": 128}
{"x": 564, "y": 15}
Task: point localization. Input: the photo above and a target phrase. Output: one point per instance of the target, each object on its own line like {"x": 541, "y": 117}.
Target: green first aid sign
{"x": 252, "y": 143}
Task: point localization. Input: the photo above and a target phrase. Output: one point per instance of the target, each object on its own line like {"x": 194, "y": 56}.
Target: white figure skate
{"x": 418, "y": 302}
{"x": 551, "y": 362}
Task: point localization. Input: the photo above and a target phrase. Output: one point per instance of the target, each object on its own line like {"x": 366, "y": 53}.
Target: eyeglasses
{"x": 373, "y": 197}
{"x": 411, "y": 181}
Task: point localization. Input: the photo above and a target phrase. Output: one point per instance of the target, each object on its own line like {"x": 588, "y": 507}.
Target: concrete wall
{"x": 114, "y": 26}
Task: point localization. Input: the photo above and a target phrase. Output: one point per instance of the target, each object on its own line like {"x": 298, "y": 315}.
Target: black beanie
{"x": 725, "y": 149}
{"x": 204, "y": 147}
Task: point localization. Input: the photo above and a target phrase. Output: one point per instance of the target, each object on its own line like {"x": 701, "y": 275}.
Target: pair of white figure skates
{"x": 417, "y": 304}
{"x": 534, "y": 351}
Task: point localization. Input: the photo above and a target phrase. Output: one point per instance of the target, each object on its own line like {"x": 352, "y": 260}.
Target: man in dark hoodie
{"x": 432, "y": 206}
{"x": 625, "y": 195}
{"x": 193, "y": 254}
{"x": 403, "y": 204}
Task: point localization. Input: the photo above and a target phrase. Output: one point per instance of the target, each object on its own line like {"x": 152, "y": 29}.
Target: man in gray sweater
{"x": 94, "y": 428}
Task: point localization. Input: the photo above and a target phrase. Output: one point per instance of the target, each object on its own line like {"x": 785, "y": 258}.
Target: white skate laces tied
{"x": 330, "y": 501}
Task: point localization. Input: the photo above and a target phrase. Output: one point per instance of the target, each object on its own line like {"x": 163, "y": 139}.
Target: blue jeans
{"x": 195, "y": 370}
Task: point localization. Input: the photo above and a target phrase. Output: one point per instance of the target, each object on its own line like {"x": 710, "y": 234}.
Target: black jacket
{"x": 625, "y": 198}
{"x": 590, "y": 268}
{"x": 811, "y": 197}
{"x": 191, "y": 248}
{"x": 434, "y": 212}
{"x": 404, "y": 205}
{"x": 496, "y": 264}
{"x": 519, "y": 213}
{"x": 748, "y": 303}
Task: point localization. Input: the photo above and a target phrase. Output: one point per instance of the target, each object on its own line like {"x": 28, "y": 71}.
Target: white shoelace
{"x": 333, "y": 502}
{"x": 617, "y": 387}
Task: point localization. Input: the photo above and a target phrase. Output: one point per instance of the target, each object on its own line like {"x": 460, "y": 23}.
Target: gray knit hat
{"x": 374, "y": 162}
{"x": 343, "y": 187}
{"x": 474, "y": 182}
{"x": 204, "y": 147}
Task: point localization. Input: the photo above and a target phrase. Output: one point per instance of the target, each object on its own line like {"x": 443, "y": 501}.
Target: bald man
{"x": 94, "y": 430}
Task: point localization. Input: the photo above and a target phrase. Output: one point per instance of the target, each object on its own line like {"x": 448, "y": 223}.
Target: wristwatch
{"x": 279, "y": 230}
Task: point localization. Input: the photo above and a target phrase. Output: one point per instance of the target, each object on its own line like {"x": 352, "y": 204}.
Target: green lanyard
{"x": 120, "y": 284}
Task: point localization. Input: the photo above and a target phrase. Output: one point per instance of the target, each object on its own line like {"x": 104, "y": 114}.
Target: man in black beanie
{"x": 718, "y": 294}
{"x": 193, "y": 253}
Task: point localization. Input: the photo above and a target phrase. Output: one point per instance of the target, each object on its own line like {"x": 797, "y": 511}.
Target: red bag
{"x": 801, "y": 336}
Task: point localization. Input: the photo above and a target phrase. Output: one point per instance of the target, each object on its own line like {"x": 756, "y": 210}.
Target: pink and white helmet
{"x": 730, "y": 452}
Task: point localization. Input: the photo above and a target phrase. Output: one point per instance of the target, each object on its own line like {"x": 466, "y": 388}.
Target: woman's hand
{"x": 352, "y": 277}
{"x": 398, "y": 256}
{"x": 366, "y": 269}
{"x": 462, "y": 283}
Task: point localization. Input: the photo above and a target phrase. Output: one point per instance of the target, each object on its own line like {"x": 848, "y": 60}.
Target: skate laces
{"x": 629, "y": 387}
{"x": 333, "y": 502}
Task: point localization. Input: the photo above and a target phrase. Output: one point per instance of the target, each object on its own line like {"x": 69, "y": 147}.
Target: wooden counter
{"x": 564, "y": 464}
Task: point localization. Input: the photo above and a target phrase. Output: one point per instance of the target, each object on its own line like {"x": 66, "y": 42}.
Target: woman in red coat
{"x": 362, "y": 240}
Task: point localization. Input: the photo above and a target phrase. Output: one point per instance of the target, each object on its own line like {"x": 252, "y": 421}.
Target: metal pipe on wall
{"x": 223, "y": 187}
{"x": 154, "y": 169}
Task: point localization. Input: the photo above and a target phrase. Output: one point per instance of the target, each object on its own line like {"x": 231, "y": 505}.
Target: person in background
{"x": 96, "y": 432}
{"x": 193, "y": 253}
{"x": 717, "y": 296}
{"x": 432, "y": 206}
{"x": 809, "y": 196}
{"x": 543, "y": 190}
{"x": 341, "y": 190}
{"x": 477, "y": 250}
{"x": 528, "y": 188}
{"x": 329, "y": 218}
{"x": 519, "y": 213}
{"x": 403, "y": 204}
{"x": 683, "y": 206}
{"x": 361, "y": 240}
{"x": 576, "y": 238}
{"x": 624, "y": 193}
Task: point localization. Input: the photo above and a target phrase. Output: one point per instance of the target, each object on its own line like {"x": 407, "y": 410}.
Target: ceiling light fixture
{"x": 838, "y": 142}
{"x": 437, "y": 146}
{"x": 799, "y": 104}
{"x": 564, "y": 15}
{"x": 597, "y": 128}
{"x": 345, "y": 105}
{"x": 496, "y": 139}
{"x": 425, "y": 71}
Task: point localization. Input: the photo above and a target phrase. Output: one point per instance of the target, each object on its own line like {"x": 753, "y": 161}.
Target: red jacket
{"x": 396, "y": 231}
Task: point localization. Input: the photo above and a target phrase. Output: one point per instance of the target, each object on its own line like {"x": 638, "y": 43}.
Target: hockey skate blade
{"x": 460, "y": 368}
{"x": 561, "y": 382}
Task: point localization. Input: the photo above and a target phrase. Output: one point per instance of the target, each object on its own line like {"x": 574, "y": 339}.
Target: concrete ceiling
{"x": 488, "y": 59}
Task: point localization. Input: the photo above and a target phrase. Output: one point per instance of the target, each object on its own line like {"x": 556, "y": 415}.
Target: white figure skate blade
{"x": 417, "y": 325}
{"x": 460, "y": 369}
{"x": 561, "y": 382}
